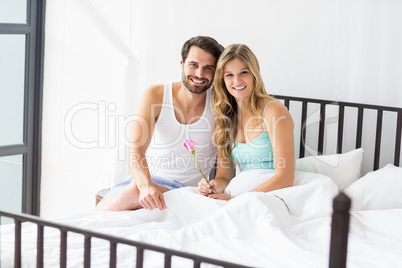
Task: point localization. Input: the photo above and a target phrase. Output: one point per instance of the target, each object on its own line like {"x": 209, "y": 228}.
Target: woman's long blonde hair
{"x": 224, "y": 105}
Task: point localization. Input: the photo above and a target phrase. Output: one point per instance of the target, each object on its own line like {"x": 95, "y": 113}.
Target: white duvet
{"x": 285, "y": 228}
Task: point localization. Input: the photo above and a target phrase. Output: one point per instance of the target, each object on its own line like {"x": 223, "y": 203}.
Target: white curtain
{"x": 368, "y": 42}
{"x": 101, "y": 55}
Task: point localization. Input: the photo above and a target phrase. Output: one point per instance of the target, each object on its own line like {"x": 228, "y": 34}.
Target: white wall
{"x": 100, "y": 55}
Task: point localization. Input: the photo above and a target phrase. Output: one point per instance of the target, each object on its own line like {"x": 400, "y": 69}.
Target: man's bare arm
{"x": 141, "y": 132}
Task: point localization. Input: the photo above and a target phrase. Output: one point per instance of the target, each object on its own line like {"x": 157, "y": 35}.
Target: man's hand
{"x": 150, "y": 198}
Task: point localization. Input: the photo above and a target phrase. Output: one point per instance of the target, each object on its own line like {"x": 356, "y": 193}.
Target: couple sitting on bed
{"x": 222, "y": 105}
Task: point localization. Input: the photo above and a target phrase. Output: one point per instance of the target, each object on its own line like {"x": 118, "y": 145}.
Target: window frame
{"x": 30, "y": 149}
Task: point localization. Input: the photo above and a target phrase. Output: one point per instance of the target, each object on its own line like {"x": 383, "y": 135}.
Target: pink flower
{"x": 190, "y": 146}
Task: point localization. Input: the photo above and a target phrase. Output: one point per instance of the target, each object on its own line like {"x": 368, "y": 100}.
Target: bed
{"x": 345, "y": 209}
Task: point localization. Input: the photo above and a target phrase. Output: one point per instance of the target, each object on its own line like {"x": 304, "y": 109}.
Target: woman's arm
{"x": 279, "y": 125}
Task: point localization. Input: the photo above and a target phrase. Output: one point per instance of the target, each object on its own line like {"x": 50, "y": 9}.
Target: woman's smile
{"x": 238, "y": 79}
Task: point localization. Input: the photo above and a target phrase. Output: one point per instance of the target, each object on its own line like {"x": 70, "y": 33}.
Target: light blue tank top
{"x": 256, "y": 154}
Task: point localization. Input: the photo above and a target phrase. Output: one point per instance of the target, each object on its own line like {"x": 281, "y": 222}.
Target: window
{"x": 21, "y": 72}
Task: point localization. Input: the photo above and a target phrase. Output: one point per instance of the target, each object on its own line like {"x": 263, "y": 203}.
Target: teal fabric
{"x": 256, "y": 154}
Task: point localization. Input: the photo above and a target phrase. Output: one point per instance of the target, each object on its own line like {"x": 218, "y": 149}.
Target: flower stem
{"x": 199, "y": 168}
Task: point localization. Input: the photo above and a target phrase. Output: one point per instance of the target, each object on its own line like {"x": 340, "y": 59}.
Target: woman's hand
{"x": 206, "y": 189}
{"x": 220, "y": 196}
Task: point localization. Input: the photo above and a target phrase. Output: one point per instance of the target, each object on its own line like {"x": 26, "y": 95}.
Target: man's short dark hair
{"x": 206, "y": 43}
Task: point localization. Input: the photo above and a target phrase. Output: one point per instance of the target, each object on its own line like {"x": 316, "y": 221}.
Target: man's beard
{"x": 194, "y": 88}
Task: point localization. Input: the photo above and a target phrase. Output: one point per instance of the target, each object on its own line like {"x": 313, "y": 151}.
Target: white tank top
{"x": 166, "y": 155}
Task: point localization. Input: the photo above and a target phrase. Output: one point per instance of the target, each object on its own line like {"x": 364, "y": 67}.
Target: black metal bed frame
{"x": 341, "y": 203}
{"x": 341, "y": 116}
{"x": 88, "y": 235}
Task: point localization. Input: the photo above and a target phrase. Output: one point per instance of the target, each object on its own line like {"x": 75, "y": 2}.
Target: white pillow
{"x": 344, "y": 169}
{"x": 380, "y": 189}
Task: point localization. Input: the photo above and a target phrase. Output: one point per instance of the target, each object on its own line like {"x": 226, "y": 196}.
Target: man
{"x": 172, "y": 114}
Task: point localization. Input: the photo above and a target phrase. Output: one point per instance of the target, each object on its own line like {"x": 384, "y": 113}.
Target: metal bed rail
{"x": 337, "y": 254}
{"x": 88, "y": 235}
{"x": 339, "y": 231}
{"x": 340, "y": 131}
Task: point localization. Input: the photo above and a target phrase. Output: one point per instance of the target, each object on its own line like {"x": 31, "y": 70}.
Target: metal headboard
{"x": 288, "y": 101}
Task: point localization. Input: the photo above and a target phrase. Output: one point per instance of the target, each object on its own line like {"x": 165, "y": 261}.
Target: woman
{"x": 253, "y": 130}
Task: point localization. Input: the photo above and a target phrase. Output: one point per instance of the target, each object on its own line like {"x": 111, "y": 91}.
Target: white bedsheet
{"x": 285, "y": 228}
